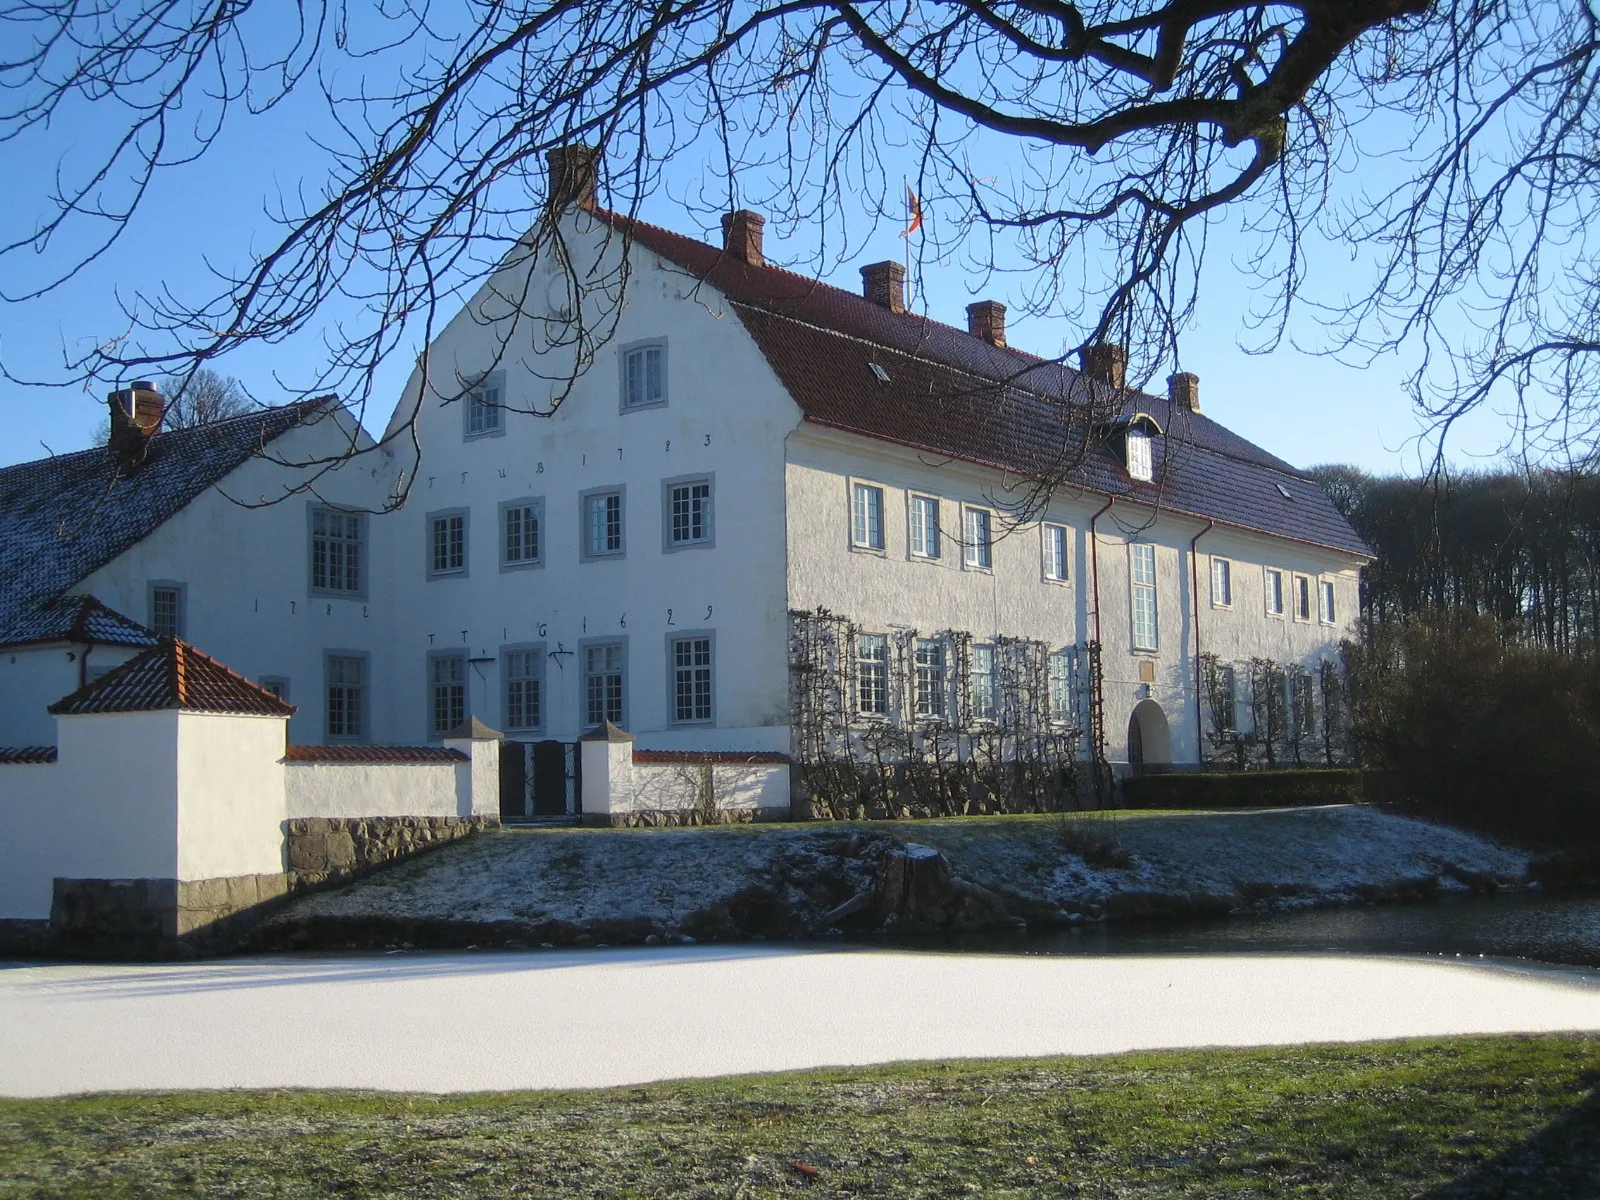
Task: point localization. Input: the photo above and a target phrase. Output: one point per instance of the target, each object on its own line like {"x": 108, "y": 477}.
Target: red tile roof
{"x": 373, "y": 754}
{"x": 736, "y": 757}
{"x": 173, "y": 674}
{"x": 956, "y": 396}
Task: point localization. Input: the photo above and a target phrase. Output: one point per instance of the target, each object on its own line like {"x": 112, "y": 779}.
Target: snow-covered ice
{"x": 492, "y": 1021}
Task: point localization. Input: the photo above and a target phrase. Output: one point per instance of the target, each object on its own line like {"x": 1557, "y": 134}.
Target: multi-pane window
{"x": 521, "y": 533}
{"x": 866, "y": 516}
{"x": 872, "y": 674}
{"x": 1061, "y": 687}
{"x": 980, "y": 679}
{"x": 1142, "y": 570}
{"x": 1228, "y": 699}
{"x": 1302, "y": 598}
{"x": 602, "y": 684}
{"x": 524, "y": 689}
{"x": 643, "y": 377}
{"x": 1302, "y": 702}
{"x": 484, "y": 411}
{"x": 447, "y": 692}
{"x": 1055, "y": 552}
{"x": 1325, "y": 592}
{"x": 602, "y": 523}
{"x": 689, "y": 512}
{"x": 1140, "y": 464}
{"x": 691, "y": 678}
{"x": 1274, "y": 592}
{"x": 166, "y": 610}
{"x": 336, "y": 551}
{"x": 347, "y": 696}
{"x": 930, "y": 692}
{"x": 1221, "y": 582}
{"x": 447, "y": 543}
{"x": 925, "y": 526}
{"x": 979, "y": 545}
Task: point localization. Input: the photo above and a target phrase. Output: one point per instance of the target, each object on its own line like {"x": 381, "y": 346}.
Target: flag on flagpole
{"x": 913, "y": 213}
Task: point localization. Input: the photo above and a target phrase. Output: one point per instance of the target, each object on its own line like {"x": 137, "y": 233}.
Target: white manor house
{"x": 742, "y": 445}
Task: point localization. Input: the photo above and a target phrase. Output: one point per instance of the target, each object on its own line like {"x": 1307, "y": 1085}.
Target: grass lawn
{"x": 1498, "y": 1116}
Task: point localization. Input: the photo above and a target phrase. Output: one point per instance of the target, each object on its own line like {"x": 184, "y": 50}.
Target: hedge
{"x": 1243, "y": 789}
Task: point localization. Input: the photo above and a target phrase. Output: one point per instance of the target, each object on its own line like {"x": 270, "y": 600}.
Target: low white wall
{"x": 616, "y": 781}
{"x": 465, "y": 784}
{"x": 31, "y": 833}
{"x": 409, "y": 789}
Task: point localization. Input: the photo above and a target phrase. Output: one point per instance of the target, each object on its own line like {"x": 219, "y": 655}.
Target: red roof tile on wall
{"x": 373, "y": 754}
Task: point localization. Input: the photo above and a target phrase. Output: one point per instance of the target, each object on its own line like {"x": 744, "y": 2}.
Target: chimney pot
{"x": 1106, "y": 362}
{"x": 884, "y": 284}
{"x": 1183, "y": 389}
{"x": 987, "y": 320}
{"x": 741, "y": 235}
{"x": 574, "y": 171}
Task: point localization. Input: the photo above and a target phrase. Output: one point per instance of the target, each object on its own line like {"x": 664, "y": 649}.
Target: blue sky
{"x": 1304, "y": 407}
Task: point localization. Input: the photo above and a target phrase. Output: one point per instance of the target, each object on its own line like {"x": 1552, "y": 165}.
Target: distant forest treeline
{"x": 1520, "y": 549}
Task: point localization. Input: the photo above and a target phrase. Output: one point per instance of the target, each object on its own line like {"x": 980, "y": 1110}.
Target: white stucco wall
{"x": 230, "y": 795}
{"x": 107, "y": 809}
{"x": 371, "y": 789}
{"x": 894, "y": 590}
{"x": 246, "y": 571}
{"x": 31, "y": 679}
{"x": 725, "y": 416}
{"x": 613, "y": 783}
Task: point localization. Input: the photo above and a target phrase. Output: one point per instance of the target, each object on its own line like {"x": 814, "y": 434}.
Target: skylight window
{"x": 883, "y": 376}
{"x": 1284, "y": 492}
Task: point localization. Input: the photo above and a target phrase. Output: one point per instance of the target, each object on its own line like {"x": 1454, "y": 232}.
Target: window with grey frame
{"x": 447, "y": 692}
{"x": 1055, "y": 553}
{"x": 522, "y": 533}
{"x": 602, "y": 523}
{"x": 872, "y": 674}
{"x": 924, "y": 527}
{"x": 522, "y": 674}
{"x": 689, "y": 513}
{"x": 278, "y": 685}
{"x": 447, "y": 543}
{"x": 866, "y": 516}
{"x": 166, "y": 609}
{"x": 980, "y": 681}
{"x": 346, "y": 689}
{"x": 644, "y": 376}
{"x": 1061, "y": 707}
{"x": 691, "y": 678}
{"x": 338, "y": 552}
{"x": 604, "y": 683}
{"x": 930, "y": 684}
{"x": 485, "y": 406}
{"x": 1142, "y": 579}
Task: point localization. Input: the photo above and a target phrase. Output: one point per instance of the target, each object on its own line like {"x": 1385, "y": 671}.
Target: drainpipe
{"x": 1094, "y": 561}
{"x": 1199, "y": 707}
{"x": 83, "y": 665}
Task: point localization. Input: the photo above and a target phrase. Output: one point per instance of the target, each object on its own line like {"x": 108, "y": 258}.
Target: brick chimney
{"x": 1183, "y": 389}
{"x": 741, "y": 235}
{"x": 987, "y": 320}
{"x": 136, "y": 413}
{"x": 884, "y": 284}
{"x": 574, "y": 171}
{"x": 1106, "y": 362}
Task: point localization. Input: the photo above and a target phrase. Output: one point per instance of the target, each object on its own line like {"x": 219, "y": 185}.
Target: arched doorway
{"x": 1149, "y": 737}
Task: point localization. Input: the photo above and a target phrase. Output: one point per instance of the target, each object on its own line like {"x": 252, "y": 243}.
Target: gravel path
{"x": 446, "y": 1022}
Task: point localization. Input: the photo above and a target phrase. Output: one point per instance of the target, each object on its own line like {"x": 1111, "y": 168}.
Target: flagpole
{"x": 905, "y": 194}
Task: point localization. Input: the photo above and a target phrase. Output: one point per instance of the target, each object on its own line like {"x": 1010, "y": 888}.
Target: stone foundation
{"x": 333, "y": 849}
{"x": 159, "y": 918}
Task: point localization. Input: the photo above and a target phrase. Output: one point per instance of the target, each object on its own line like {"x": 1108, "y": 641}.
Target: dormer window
{"x": 1140, "y": 463}
{"x": 1132, "y": 439}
